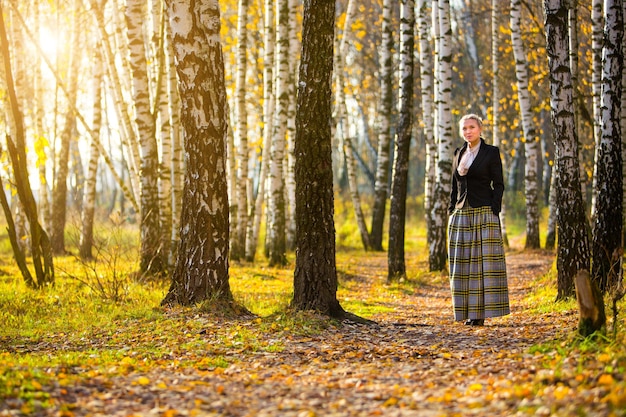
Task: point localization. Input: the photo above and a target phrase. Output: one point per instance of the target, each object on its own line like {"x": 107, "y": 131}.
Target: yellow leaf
{"x": 606, "y": 379}
{"x": 475, "y": 387}
{"x": 390, "y": 402}
{"x": 561, "y": 392}
{"x": 142, "y": 380}
{"x": 604, "y": 357}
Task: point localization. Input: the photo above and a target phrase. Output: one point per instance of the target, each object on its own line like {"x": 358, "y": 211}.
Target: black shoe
{"x": 478, "y": 322}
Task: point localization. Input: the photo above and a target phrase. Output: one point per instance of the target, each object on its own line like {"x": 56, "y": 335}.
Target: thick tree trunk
{"x": 572, "y": 227}
{"x": 315, "y": 276}
{"x": 201, "y": 271}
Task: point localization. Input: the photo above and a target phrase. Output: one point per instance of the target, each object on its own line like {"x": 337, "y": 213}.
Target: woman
{"x": 477, "y": 266}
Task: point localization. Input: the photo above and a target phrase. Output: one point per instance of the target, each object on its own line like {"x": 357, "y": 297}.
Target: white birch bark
{"x": 89, "y": 202}
{"x": 424, "y": 24}
{"x": 607, "y": 245}
{"x": 531, "y": 138}
{"x": 240, "y": 132}
{"x": 177, "y": 167}
{"x": 290, "y": 181}
{"x": 202, "y": 270}
{"x": 276, "y": 202}
{"x": 345, "y": 129}
{"x": 495, "y": 97}
{"x": 384, "y": 129}
{"x": 269, "y": 41}
{"x": 151, "y": 258}
{"x": 597, "y": 31}
{"x": 159, "y": 45}
{"x": 573, "y": 242}
{"x": 445, "y": 147}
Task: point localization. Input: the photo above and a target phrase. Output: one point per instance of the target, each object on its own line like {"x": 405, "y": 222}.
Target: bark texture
{"x": 315, "y": 276}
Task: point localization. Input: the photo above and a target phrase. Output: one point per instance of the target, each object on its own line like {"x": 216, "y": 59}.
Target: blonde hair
{"x": 470, "y": 116}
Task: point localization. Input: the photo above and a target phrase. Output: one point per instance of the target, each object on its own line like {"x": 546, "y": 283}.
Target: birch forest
{"x": 93, "y": 93}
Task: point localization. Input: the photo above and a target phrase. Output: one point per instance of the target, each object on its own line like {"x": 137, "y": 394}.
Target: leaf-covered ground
{"x": 414, "y": 362}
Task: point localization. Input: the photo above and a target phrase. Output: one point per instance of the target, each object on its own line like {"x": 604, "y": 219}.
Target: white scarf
{"x": 466, "y": 160}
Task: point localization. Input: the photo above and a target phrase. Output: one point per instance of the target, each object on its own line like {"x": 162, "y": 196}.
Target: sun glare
{"x": 48, "y": 41}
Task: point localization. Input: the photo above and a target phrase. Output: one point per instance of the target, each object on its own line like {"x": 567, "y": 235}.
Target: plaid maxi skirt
{"x": 477, "y": 265}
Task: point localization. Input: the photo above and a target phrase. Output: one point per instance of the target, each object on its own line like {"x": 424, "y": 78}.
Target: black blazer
{"x": 483, "y": 185}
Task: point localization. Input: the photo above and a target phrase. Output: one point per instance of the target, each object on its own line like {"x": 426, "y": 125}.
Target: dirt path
{"x": 415, "y": 362}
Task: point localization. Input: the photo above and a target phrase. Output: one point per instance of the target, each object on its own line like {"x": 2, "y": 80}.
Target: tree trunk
{"x": 438, "y": 248}
{"x": 344, "y": 123}
{"x": 384, "y": 134}
{"x": 495, "y": 99}
{"x": 269, "y": 41}
{"x": 87, "y": 216}
{"x": 530, "y": 131}
{"x": 165, "y": 177}
{"x": 152, "y": 260}
{"x": 607, "y": 226}
{"x": 276, "y": 230}
{"x": 399, "y": 185}
{"x": 290, "y": 180}
{"x": 597, "y": 32}
{"x": 201, "y": 270}
{"x": 41, "y": 251}
{"x": 59, "y": 190}
{"x": 241, "y": 135}
{"x": 424, "y": 24}
{"x": 572, "y": 227}
{"x": 315, "y": 276}
{"x": 590, "y": 305}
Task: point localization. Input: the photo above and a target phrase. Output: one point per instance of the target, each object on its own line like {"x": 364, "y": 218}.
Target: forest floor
{"x": 415, "y": 361}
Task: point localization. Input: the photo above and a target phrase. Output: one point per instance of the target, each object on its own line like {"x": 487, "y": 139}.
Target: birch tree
{"x": 397, "y": 209}
{"x": 40, "y": 247}
{"x": 572, "y": 228}
{"x": 531, "y": 138}
{"x": 345, "y": 126}
{"x": 69, "y": 133}
{"x": 496, "y": 11}
{"x": 384, "y": 130}
{"x": 424, "y": 23}
{"x": 201, "y": 270}
{"x": 276, "y": 228}
{"x": 269, "y": 42}
{"x": 152, "y": 261}
{"x": 290, "y": 180}
{"x": 438, "y": 246}
{"x": 597, "y": 32}
{"x": 607, "y": 226}
{"x": 87, "y": 215}
{"x": 241, "y": 134}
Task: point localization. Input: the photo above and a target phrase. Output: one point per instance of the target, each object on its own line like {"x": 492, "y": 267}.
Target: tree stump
{"x": 590, "y": 304}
